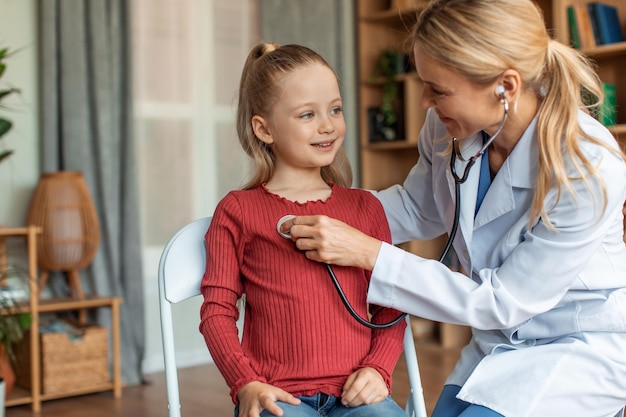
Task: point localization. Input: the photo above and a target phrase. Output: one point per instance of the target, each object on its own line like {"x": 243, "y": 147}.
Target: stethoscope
{"x": 455, "y": 225}
{"x": 470, "y": 162}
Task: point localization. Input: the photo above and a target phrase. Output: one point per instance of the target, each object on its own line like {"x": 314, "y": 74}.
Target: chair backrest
{"x": 183, "y": 261}
{"x": 180, "y": 273}
{"x": 181, "y": 268}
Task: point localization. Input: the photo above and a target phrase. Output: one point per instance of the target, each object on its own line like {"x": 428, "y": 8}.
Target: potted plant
{"x": 5, "y": 124}
{"x": 390, "y": 63}
{"x": 13, "y": 321}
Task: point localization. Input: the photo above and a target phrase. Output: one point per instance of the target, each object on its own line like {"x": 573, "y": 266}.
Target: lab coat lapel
{"x": 499, "y": 198}
{"x": 518, "y": 171}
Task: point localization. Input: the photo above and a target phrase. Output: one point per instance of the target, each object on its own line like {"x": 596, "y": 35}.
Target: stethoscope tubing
{"x": 353, "y": 313}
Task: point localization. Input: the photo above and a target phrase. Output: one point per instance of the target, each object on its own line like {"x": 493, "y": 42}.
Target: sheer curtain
{"x": 187, "y": 58}
{"x": 85, "y": 126}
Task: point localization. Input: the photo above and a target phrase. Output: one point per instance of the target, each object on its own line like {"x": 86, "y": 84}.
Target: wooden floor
{"x": 204, "y": 393}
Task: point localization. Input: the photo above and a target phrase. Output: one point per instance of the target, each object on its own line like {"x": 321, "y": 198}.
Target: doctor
{"x": 540, "y": 221}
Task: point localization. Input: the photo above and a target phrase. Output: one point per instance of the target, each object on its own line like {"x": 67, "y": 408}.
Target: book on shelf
{"x": 592, "y": 24}
{"x": 585, "y": 28}
{"x": 606, "y": 113}
{"x": 573, "y": 27}
{"x": 595, "y": 25}
{"x": 607, "y": 21}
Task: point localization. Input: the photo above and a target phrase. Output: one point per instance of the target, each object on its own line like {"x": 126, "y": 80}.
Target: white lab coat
{"x": 547, "y": 308}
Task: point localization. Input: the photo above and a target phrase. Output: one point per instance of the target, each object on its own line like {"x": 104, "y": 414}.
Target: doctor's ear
{"x": 508, "y": 84}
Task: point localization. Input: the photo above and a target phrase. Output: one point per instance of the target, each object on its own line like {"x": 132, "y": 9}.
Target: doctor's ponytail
{"x": 466, "y": 35}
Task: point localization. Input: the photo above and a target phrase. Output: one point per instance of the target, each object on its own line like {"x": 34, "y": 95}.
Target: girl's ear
{"x": 261, "y": 129}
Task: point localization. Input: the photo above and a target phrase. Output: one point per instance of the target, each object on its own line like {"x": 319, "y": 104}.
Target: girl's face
{"x": 306, "y": 127}
{"x": 464, "y": 107}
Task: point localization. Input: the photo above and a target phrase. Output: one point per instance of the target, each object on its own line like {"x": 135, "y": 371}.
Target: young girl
{"x": 301, "y": 353}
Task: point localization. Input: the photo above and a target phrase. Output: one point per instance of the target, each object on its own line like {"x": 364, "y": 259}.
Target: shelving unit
{"x": 611, "y": 59}
{"x": 37, "y": 307}
{"x": 379, "y": 28}
{"x": 384, "y": 24}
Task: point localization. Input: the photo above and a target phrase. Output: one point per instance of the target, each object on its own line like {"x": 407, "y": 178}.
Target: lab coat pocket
{"x": 608, "y": 316}
{"x": 557, "y": 322}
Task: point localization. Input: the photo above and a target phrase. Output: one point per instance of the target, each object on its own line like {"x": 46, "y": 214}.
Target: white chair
{"x": 180, "y": 272}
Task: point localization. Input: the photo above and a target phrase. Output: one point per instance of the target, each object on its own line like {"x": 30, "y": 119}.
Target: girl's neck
{"x": 299, "y": 190}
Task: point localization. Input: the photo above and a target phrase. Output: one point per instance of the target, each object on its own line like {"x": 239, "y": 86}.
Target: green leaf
{"x": 2, "y": 68}
{"x": 25, "y": 320}
{"x": 8, "y": 92}
{"x": 5, "y": 126}
{"x": 5, "y": 154}
{"x": 3, "y": 52}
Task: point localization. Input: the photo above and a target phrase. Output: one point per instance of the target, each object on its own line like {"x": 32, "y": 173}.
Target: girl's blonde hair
{"x": 483, "y": 38}
{"x": 259, "y": 90}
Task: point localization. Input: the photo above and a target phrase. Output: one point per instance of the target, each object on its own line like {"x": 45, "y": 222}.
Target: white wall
{"x": 19, "y": 173}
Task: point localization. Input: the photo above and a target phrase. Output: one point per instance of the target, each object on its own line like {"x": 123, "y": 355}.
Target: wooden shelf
{"x": 610, "y": 59}
{"x": 606, "y": 51}
{"x": 69, "y": 304}
{"x": 400, "y": 144}
{"x": 34, "y": 396}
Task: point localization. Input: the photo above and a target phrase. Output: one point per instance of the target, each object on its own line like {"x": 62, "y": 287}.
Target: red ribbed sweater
{"x": 297, "y": 334}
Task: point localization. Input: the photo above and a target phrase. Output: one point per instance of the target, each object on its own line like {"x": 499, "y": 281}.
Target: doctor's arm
{"x": 331, "y": 241}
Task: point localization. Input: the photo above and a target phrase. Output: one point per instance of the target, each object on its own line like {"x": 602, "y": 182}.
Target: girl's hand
{"x": 365, "y": 386}
{"x": 331, "y": 241}
{"x": 256, "y": 396}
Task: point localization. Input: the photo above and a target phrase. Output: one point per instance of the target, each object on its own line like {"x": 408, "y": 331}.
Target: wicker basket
{"x": 67, "y": 365}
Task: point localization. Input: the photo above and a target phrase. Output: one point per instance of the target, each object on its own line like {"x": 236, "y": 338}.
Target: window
{"x": 187, "y": 60}
{"x": 188, "y": 55}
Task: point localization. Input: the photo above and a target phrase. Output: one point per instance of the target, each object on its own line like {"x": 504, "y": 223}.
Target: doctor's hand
{"x": 365, "y": 386}
{"x": 331, "y": 241}
{"x": 256, "y": 396}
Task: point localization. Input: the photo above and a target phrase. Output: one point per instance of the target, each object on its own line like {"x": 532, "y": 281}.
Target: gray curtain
{"x": 326, "y": 26}
{"x": 86, "y": 125}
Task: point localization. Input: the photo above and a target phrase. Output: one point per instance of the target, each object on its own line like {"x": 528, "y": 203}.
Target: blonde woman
{"x": 540, "y": 226}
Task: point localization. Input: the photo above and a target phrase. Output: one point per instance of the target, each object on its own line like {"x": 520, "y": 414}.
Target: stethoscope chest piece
{"x": 281, "y": 222}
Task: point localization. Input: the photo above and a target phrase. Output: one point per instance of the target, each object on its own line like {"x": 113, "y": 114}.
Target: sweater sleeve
{"x": 386, "y": 344}
{"x": 222, "y": 287}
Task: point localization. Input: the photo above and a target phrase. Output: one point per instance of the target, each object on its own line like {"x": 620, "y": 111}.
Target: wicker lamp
{"x": 62, "y": 206}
